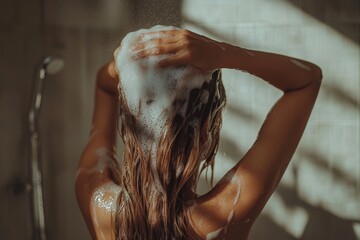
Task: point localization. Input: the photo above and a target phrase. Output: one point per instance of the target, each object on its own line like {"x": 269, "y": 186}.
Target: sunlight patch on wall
{"x": 325, "y": 171}
{"x": 356, "y": 227}
{"x": 293, "y": 219}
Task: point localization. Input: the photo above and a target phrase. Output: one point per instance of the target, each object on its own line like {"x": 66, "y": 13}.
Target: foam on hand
{"x": 151, "y": 91}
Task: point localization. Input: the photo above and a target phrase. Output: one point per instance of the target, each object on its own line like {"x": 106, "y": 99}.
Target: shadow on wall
{"x": 332, "y": 227}
{"x": 322, "y": 223}
{"x": 340, "y": 95}
{"x": 337, "y": 92}
{"x": 341, "y": 15}
{"x": 208, "y": 30}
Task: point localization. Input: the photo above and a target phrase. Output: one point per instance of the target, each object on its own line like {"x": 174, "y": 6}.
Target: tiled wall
{"x": 17, "y": 49}
{"x": 84, "y": 35}
{"x": 319, "y": 195}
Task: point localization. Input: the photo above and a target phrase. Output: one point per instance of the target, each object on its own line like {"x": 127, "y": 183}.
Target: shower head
{"x": 51, "y": 65}
{"x": 55, "y": 66}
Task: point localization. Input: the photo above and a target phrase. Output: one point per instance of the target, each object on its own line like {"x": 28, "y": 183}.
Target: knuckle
{"x": 155, "y": 50}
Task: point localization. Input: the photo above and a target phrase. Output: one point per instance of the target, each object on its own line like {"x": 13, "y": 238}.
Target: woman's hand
{"x": 107, "y": 78}
{"x": 184, "y": 48}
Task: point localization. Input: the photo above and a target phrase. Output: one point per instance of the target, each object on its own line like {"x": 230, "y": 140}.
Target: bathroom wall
{"x": 319, "y": 195}
{"x": 19, "y": 52}
{"x": 84, "y": 34}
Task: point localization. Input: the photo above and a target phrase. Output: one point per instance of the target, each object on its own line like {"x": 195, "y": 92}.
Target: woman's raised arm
{"x": 250, "y": 183}
{"x": 262, "y": 167}
{"x": 94, "y": 166}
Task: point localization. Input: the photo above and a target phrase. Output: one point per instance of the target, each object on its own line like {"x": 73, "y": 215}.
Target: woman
{"x": 155, "y": 199}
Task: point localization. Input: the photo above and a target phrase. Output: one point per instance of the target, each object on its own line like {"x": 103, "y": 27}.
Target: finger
{"x": 188, "y": 33}
{"x": 164, "y": 37}
{"x": 172, "y": 32}
{"x": 158, "y": 50}
{"x": 154, "y": 42}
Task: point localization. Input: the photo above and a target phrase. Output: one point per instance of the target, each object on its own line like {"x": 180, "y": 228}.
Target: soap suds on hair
{"x": 151, "y": 90}
{"x": 153, "y": 93}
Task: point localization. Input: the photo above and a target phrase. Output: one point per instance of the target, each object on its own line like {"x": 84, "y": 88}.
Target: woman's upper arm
{"x": 249, "y": 184}
{"x": 95, "y": 163}
{"x": 104, "y": 121}
{"x": 264, "y": 164}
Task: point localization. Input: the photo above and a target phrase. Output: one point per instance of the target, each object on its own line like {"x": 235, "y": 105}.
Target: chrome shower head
{"x": 51, "y": 65}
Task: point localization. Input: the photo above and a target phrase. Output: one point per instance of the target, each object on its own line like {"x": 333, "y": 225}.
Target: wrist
{"x": 222, "y": 57}
{"x": 235, "y": 57}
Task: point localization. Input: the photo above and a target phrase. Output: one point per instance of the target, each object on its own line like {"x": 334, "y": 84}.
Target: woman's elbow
{"x": 317, "y": 74}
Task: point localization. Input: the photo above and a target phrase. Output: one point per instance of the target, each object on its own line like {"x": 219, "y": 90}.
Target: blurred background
{"x": 319, "y": 195}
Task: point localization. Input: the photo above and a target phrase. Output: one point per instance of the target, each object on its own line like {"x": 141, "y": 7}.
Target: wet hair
{"x": 143, "y": 211}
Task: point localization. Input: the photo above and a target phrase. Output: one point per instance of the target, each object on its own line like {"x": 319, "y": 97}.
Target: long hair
{"x": 143, "y": 211}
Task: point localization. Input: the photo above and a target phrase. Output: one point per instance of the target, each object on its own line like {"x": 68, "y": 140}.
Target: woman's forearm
{"x": 188, "y": 48}
{"x": 106, "y": 105}
{"x": 283, "y": 72}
